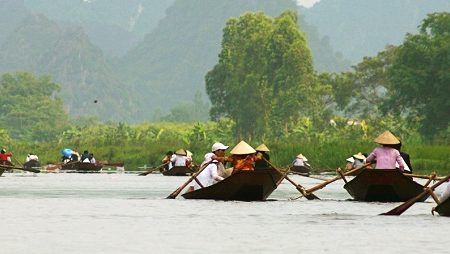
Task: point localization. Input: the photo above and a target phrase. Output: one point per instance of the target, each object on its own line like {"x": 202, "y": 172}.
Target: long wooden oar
{"x": 403, "y": 207}
{"x": 174, "y": 194}
{"x": 422, "y": 176}
{"x": 24, "y": 169}
{"x": 300, "y": 188}
{"x": 152, "y": 169}
{"x": 321, "y": 185}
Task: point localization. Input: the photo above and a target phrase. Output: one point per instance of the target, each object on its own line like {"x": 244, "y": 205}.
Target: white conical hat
{"x": 262, "y": 148}
{"x": 243, "y": 148}
{"x": 188, "y": 153}
{"x": 387, "y": 138}
{"x": 301, "y": 156}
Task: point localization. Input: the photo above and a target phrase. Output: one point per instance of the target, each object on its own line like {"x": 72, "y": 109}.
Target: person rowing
{"x": 386, "y": 156}
{"x": 262, "y": 152}
{"x": 243, "y": 157}
{"x": 213, "y": 163}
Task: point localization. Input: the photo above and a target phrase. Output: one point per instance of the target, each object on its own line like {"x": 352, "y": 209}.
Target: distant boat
{"x": 179, "y": 171}
{"x": 32, "y": 164}
{"x": 303, "y": 170}
{"x": 4, "y": 163}
{"x": 81, "y": 167}
{"x": 444, "y": 208}
{"x": 243, "y": 186}
{"x": 383, "y": 185}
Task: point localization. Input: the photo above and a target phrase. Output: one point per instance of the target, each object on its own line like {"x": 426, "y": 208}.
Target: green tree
{"x": 420, "y": 74}
{"x": 29, "y": 108}
{"x": 264, "y": 80}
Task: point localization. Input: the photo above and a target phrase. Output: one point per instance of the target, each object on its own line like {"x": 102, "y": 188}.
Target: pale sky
{"x": 307, "y": 3}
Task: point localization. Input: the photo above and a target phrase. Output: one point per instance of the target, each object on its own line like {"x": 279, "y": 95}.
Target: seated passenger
{"x": 166, "y": 160}
{"x": 85, "y": 157}
{"x": 262, "y": 152}
{"x": 210, "y": 174}
{"x": 179, "y": 158}
{"x": 32, "y": 157}
{"x": 301, "y": 161}
{"x": 243, "y": 157}
{"x": 92, "y": 158}
{"x": 386, "y": 156}
{"x": 4, "y": 156}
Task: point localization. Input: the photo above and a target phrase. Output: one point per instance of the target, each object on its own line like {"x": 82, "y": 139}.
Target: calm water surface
{"x": 126, "y": 213}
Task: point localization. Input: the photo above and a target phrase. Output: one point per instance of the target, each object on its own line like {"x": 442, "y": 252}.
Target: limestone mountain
{"x": 42, "y": 46}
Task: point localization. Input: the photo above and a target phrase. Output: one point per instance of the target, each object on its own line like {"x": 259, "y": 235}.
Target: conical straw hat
{"x": 359, "y": 156}
{"x": 243, "y": 148}
{"x": 387, "y": 138}
{"x": 262, "y": 148}
{"x": 301, "y": 156}
{"x": 181, "y": 152}
{"x": 188, "y": 153}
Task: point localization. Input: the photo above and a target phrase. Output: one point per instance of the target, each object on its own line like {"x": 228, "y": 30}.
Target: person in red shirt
{"x": 4, "y": 156}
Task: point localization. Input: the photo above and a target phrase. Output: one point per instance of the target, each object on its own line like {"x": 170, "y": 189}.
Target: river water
{"x": 126, "y": 213}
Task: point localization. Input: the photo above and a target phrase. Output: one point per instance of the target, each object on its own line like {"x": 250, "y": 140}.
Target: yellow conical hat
{"x": 301, "y": 156}
{"x": 359, "y": 156}
{"x": 181, "y": 152}
{"x": 243, "y": 148}
{"x": 387, "y": 138}
{"x": 262, "y": 148}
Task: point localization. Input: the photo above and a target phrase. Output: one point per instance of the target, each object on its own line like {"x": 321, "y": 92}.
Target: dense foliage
{"x": 264, "y": 89}
{"x": 264, "y": 76}
{"x": 28, "y": 108}
{"x": 420, "y": 74}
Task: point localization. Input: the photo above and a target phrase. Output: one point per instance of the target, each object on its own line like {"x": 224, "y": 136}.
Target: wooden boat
{"x": 4, "y": 163}
{"x": 303, "y": 170}
{"x": 444, "y": 208}
{"x": 81, "y": 167}
{"x": 243, "y": 186}
{"x": 32, "y": 164}
{"x": 383, "y": 185}
{"x": 178, "y": 171}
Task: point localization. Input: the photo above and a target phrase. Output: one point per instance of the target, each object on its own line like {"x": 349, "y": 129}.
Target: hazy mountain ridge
{"x": 42, "y": 46}
{"x": 368, "y": 26}
{"x": 170, "y": 49}
{"x": 115, "y": 26}
{"x": 172, "y": 60}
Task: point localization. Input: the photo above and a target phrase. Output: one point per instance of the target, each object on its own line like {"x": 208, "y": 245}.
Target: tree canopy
{"x": 29, "y": 109}
{"x": 421, "y": 74}
{"x": 264, "y": 79}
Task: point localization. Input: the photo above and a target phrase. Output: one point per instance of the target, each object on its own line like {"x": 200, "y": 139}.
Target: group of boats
{"x": 369, "y": 185}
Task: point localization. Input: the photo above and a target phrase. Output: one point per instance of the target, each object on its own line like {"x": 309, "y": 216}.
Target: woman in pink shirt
{"x": 386, "y": 156}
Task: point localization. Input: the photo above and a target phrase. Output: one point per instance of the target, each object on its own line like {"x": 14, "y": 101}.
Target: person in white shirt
{"x": 210, "y": 175}
{"x": 32, "y": 156}
{"x": 301, "y": 161}
{"x": 179, "y": 158}
{"x": 446, "y": 194}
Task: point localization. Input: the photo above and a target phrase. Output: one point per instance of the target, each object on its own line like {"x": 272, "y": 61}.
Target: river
{"x": 126, "y": 213}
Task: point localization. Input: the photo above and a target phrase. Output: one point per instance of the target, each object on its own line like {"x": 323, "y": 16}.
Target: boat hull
{"x": 444, "y": 208}
{"x": 5, "y": 163}
{"x": 178, "y": 171}
{"x": 300, "y": 169}
{"x": 81, "y": 167}
{"x": 383, "y": 185}
{"x": 242, "y": 186}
